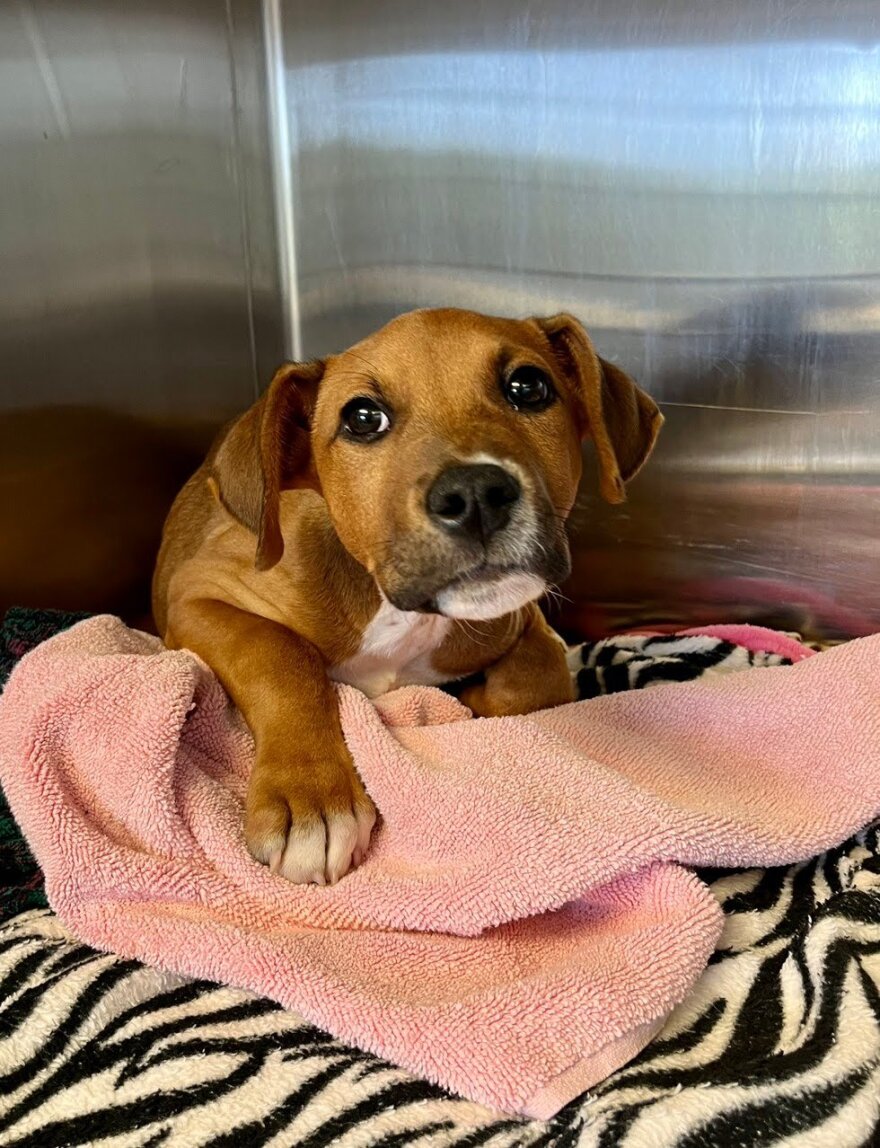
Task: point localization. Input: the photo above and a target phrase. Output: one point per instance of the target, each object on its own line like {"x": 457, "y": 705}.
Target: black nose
{"x": 473, "y": 501}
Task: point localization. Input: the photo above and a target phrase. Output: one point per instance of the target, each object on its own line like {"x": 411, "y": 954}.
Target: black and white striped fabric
{"x": 779, "y": 1044}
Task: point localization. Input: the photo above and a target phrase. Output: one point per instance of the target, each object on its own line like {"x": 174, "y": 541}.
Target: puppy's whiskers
{"x": 556, "y": 598}
{"x": 514, "y": 623}
{"x": 371, "y": 367}
{"x": 470, "y": 628}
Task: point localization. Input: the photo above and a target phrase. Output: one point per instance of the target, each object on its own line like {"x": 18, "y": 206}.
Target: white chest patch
{"x": 395, "y": 651}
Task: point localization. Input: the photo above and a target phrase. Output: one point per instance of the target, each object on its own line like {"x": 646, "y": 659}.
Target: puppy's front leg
{"x": 308, "y": 815}
{"x": 532, "y": 675}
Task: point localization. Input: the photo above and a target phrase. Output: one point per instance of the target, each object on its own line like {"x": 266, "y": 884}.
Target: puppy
{"x": 389, "y": 516}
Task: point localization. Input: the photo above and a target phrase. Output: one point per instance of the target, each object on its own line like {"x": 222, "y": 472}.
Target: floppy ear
{"x": 621, "y": 419}
{"x": 266, "y": 451}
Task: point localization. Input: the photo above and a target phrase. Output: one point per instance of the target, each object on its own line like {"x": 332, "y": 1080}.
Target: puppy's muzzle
{"x": 473, "y": 503}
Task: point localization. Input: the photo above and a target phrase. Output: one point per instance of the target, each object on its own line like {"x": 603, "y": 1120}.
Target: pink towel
{"x": 521, "y": 928}
{"x": 753, "y": 638}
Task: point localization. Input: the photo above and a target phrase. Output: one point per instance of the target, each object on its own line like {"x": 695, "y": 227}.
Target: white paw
{"x": 320, "y": 852}
{"x": 311, "y": 828}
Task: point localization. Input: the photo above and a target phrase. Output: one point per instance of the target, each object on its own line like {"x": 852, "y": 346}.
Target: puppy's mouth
{"x": 483, "y": 591}
{"x": 488, "y": 592}
{"x": 478, "y": 582}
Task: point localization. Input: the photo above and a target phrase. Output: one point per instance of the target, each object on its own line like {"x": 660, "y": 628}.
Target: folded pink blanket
{"x": 521, "y": 928}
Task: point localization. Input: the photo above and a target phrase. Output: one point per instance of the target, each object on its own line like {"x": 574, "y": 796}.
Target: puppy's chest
{"x": 395, "y": 651}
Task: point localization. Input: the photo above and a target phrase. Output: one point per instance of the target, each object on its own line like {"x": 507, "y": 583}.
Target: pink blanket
{"x": 522, "y": 927}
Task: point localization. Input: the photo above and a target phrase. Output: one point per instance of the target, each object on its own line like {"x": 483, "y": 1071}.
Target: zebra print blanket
{"x": 779, "y": 1043}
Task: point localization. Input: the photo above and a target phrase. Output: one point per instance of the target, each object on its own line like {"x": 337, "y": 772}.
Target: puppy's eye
{"x": 528, "y": 389}
{"x": 364, "y": 419}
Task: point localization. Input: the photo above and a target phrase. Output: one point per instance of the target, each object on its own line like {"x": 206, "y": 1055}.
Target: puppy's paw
{"x": 311, "y": 825}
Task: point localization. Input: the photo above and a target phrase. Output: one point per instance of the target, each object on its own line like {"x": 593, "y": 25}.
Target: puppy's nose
{"x": 473, "y": 501}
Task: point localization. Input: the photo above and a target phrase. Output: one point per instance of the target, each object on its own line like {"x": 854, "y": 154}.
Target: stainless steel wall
{"x": 138, "y": 284}
{"x": 699, "y": 183}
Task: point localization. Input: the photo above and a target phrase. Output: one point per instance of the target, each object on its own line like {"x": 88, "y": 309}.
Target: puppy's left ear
{"x": 266, "y": 451}
{"x": 617, "y": 415}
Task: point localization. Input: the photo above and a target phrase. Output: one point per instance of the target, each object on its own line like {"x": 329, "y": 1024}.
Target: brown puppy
{"x": 389, "y": 516}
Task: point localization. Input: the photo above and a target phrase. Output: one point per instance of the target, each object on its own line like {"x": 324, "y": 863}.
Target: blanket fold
{"x": 523, "y": 925}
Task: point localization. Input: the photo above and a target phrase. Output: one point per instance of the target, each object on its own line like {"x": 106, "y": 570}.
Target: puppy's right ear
{"x": 617, "y": 415}
{"x": 266, "y": 451}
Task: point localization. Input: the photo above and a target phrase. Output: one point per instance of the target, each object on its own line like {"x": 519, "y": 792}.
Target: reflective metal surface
{"x": 137, "y": 277}
{"x": 700, "y": 183}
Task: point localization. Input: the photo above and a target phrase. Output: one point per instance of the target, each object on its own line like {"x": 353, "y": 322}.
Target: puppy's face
{"x": 447, "y": 447}
{"x": 448, "y": 454}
